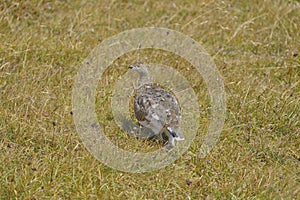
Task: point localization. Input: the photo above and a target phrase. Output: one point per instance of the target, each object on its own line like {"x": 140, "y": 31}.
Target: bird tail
{"x": 176, "y": 133}
{"x": 179, "y": 134}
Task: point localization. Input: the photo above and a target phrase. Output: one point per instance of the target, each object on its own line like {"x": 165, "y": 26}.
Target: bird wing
{"x": 155, "y": 108}
{"x": 145, "y": 113}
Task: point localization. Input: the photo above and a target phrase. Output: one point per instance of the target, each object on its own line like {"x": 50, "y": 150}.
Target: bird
{"x": 155, "y": 108}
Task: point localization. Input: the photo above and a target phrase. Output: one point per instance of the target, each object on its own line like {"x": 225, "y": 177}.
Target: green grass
{"x": 256, "y": 47}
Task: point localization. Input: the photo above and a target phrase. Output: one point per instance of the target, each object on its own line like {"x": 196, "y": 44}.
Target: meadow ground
{"x": 256, "y": 48}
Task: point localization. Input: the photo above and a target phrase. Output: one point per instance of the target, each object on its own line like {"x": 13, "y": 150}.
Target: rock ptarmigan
{"x": 156, "y": 108}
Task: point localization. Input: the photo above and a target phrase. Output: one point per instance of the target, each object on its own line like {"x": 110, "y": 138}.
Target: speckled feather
{"x": 156, "y": 108}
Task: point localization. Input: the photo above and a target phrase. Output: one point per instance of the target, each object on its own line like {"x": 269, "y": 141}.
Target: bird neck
{"x": 144, "y": 78}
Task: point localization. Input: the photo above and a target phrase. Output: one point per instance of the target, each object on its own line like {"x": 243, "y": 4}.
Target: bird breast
{"x": 153, "y": 103}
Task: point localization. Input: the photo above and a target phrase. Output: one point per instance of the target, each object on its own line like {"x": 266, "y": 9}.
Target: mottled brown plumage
{"x": 156, "y": 108}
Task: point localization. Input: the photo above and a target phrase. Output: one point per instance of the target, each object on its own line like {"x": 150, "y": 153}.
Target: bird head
{"x": 139, "y": 67}
{"x": 142, "y": 69}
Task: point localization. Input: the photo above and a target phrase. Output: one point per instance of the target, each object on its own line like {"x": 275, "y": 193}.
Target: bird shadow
{"x": 137, "y": 131}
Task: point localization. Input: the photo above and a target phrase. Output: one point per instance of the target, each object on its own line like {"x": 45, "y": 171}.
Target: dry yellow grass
{"x": 256, "y": 47}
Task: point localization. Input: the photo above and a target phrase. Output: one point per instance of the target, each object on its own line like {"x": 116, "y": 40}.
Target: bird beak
{"x": 130, "y": 66}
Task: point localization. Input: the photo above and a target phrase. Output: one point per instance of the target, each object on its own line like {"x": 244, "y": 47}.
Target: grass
{"x": 256, "y": 47}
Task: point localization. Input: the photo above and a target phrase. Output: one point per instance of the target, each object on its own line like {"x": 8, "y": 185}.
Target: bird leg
{"x": 171, "y": 140}
{"x": 161, "y": 132}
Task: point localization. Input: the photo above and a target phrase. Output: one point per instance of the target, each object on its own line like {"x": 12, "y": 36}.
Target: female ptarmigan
{"x": 155, "y": 108}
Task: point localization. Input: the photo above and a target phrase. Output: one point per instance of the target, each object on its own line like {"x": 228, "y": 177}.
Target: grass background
{"x": 256, "y": 47}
